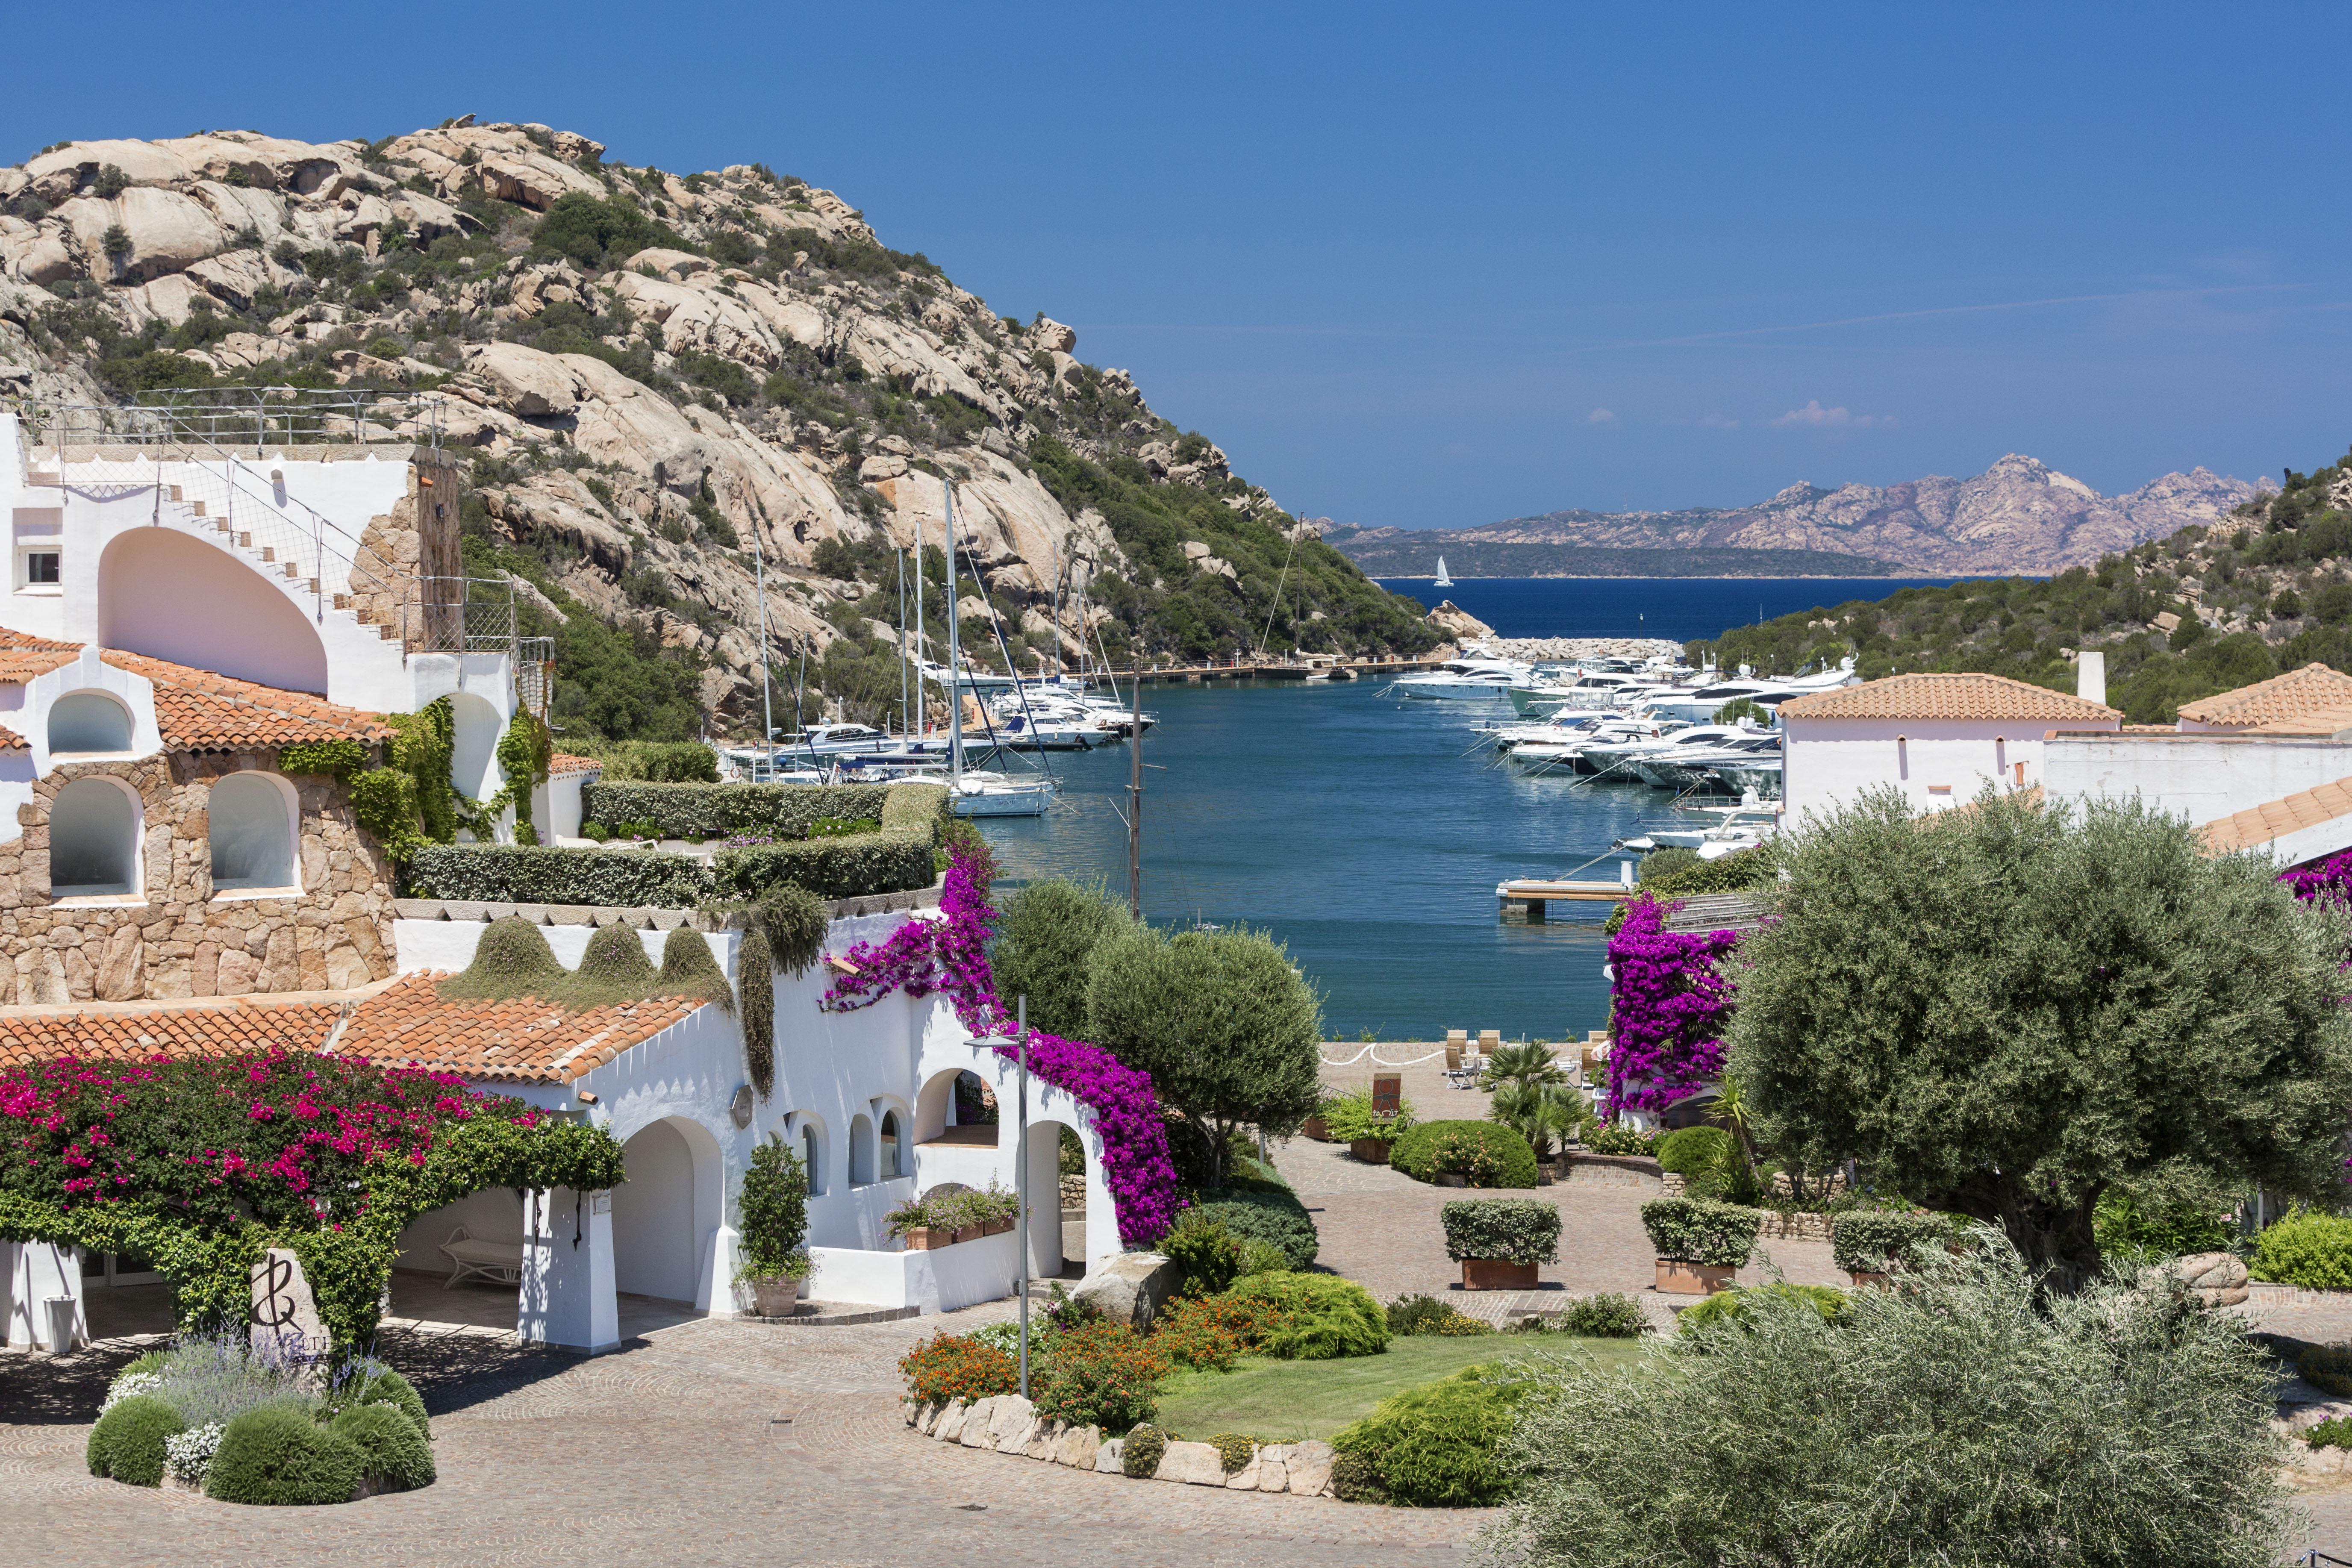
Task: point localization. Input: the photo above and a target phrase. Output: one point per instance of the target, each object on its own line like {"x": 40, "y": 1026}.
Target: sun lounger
{"x": 499, "y": 1260}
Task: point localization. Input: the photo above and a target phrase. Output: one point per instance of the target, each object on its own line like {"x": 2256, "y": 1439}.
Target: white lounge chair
{"x": 499, "y": 1260}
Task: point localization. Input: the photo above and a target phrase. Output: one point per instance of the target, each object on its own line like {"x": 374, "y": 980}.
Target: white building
{"x": 180, "y": 609}
{"x": 1939, "y": 739}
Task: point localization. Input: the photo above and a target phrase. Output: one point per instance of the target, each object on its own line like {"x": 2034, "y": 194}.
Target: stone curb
{"x": 1008, "y": 1423}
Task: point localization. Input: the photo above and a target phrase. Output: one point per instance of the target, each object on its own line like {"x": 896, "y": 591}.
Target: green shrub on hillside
{"x": 1487, "y": 1154}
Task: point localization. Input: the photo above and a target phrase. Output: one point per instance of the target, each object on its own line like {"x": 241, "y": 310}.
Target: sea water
{"x": 1367, "y": 831}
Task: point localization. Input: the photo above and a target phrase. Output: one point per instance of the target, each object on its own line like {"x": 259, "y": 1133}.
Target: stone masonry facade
{"x": 179, "y": 940}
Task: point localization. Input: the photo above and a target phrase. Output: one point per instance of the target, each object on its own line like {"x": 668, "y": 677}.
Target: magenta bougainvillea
{"x": 2323, "y": 881}
{"x": 1669, "y": 997}
{"x": 948, "y": 956}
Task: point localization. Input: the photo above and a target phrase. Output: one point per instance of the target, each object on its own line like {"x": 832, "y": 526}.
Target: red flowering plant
{"x": 948, "y": 954}
{"x": 1669, "y": 1000}
{"x": 200, "y": 1164}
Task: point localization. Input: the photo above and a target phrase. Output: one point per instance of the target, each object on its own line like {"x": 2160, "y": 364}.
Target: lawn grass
{"x": 1283, "y": 1401}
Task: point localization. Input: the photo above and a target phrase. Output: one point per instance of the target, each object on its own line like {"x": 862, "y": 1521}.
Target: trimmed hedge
{"x": 2313, "y": 1250}
{"x": 1701, "y": 1231}
{"x": 1879, "y": 1241}
{"x": 277, "y": 1457}
{"x": 396, "y": 1456}
{"x": 744, "y": 810}
{"x": 890, "y": 861}
{"x": 1694, "y": 1149}
{"x": 1506, "y": 1230}
{"x": 127, "y": 1444}
{"x": 1262, "y": 1211}
{"x": 540, "y": 874}
{"x": 1419, "y": 1153}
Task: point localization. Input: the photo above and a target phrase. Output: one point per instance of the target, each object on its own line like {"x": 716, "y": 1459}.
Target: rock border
{"x": 1008, "y": 1423}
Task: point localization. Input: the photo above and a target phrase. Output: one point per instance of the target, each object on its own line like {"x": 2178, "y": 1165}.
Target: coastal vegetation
{"x": 2206, "y": 610}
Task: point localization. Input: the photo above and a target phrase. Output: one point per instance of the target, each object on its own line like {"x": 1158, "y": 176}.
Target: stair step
{"x": 313, "y": 590}
{"x": 269, "y": 553}
{"x": 175, "y": 492}
{"x": 342, "y": 601}
{"x": 197, "y": 507}
{"x": 293, "y": 569}
{"x": 244, "y": 541}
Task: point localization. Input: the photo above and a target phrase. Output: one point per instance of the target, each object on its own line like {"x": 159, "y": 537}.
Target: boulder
{"x": 977, "y": 1423}
{"x": 1054, "y": 337}
{"x": 1458, "y": 623}
{"x": 2216, "y": 1278}
{"x": 948, "y": 1427}
{"x": 1044, "y": 1440}
{"x": 923, "y": 1417}
{"x": 525, "y": 381}
{"x": 1130, "y": 1289}
{"x": 1195, "y": 1464}
{"x": 1107, "y": 1458}
{"x": 1309, "y": 1468}
{"x": 882, "y": 465}
{"x": 1079, "y": 1447}
{"x": 1245, "y": 1480}
{"x": 1009, "y": 1423}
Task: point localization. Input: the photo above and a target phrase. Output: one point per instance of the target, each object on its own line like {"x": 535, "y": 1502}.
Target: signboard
{"x": 1388, "y": 1090}
{"x": 284, "y": 1311}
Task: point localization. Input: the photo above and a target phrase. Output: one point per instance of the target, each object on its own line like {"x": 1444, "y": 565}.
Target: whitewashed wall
{"x": 1937, "y": 763}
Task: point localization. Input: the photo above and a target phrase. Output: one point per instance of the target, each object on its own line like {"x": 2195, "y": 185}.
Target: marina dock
{"x": 1527, "y": 898}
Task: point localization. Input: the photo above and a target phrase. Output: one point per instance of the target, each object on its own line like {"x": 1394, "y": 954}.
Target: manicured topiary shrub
{"x": 538, "y": 874}
{"x": 1488, "y": 1155}
{"x": 1434, "y": 1446}
{"x": 1141, "y": 1454}
{"x": 694, "y": 810}
{"x": 1700, "y": 1231}
{"x": 127, "y": 1444}
{"x": 388, "y": 1387}
{"x": 1879, "y": 1241}
{"x": 1694, "y": 1149}
{"x": 395, "y": 1455}
{"x": 2313, "y": 1250}
{"x": 277, "y": 1457}
{"x": 893, "y": 860}
{"x": 1267, "y": 1212}
{"x": 1324, "y": 1317}
{"x": 1504, "y": 1230}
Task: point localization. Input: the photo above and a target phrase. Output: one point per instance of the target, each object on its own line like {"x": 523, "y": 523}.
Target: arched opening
{"x": 84, "y": 721}
{"x": 893, "y": 1152}
{"x": 810, "y": 1142}
{"x": 951, "y": 1108}
{"x": 474, "y": 726}
{"x": 666, "y": 1215}
{"x": 1057, "y": 1224}
{"x": 250, "y": 823}
{"x": 163, "y": 593}
{"x": 861, "y": 1151}
{"x": 93, "y": 840}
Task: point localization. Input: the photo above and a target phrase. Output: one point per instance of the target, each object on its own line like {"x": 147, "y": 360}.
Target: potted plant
{"x": 773, "y": 1204}
{"x": 1000, "y": 1210}
{"x": 1350, "y": 1119}
{"x": 1317, "y": 1125}
{"x": 1501, "y": 1242}
{"x": 1700, "y": 1244}
{"x": 914, "y": 1223}
{"x": 1872, "y": 1244}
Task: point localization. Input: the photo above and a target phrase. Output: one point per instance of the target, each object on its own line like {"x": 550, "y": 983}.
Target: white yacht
{"x": 1618, "y": 756}
{"x": 995, "y": 794}
{"x": 1693, "y": 767}
{"x": 834, "y": 739}
{"x": 1461, "y": 678}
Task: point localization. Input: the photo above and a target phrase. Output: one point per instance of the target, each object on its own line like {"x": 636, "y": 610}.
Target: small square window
{"x": 41, "y": 567}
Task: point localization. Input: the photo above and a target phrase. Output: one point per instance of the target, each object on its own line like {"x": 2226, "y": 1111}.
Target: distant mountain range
{"x": 2020, "y": 516}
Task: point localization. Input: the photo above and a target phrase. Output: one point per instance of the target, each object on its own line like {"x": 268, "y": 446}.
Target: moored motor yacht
{"x": 1464, "y": 678}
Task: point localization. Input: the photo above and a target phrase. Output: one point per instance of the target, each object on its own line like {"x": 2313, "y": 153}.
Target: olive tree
{"x": 1045, "y": 939}
{"x": 2006, "y": 1009}
{"x": 1230, "y": 1032}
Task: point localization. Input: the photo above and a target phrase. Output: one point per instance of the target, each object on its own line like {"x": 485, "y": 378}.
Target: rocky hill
{"x": 654, "y": 373}
{"x": 2264, "y": 589}
{"x": 2019, "y": 516}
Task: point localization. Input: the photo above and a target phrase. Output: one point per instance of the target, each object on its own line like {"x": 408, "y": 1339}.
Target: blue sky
{"x": 1431, "y": 266}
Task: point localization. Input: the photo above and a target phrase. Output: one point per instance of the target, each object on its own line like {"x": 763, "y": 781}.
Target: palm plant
{"x": 1531, "y": 1092}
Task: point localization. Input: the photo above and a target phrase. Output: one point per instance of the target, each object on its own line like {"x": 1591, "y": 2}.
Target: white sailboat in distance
{"x": 1441, "y": 580}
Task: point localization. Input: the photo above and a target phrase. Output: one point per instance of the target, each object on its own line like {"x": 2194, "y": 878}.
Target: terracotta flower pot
{"x": 776, "y": 1298}
{"x": 926, "y": 1238}
{"x": 1317, "y": 1129}
{"x": 1678, "y": 1278}
{"x": 1371, "y": 1151}
{"x": 1494, "y": 1274}
{"x": 1862, "y": 1278}
{"x": 969, "y": 1233}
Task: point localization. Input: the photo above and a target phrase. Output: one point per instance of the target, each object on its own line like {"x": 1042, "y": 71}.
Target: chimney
{"x": 2091, "y": 678}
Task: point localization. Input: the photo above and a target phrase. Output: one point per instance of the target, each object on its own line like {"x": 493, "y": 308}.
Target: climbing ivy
{"x": 338, "y": 759}
{"x": 423, "y": 748}
{"x": 523, "y": 753}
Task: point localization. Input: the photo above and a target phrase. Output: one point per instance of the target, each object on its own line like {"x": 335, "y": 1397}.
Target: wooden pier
{"x": 1529, "y": 899}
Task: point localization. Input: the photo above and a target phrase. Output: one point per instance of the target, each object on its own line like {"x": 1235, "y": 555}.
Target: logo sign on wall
{"x": 284, "y": 1311}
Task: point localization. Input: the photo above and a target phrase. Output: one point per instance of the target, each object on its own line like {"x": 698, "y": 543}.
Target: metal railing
{"x": 460, "y": 615}
{"x": 534, "y": 673}
{"x": 249, "y": 419}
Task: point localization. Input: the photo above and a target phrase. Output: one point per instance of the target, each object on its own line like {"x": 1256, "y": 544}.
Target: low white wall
{"x": 1937, "y": 763}
{"x": 2201, "y": 777}
{"x": 449, "y": 944}
{"x": 33, "y": 1271}
{"x": 943, "y": 1279}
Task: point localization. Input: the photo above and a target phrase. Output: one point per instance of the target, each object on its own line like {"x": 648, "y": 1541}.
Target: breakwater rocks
{"x": 1555, "y": 650}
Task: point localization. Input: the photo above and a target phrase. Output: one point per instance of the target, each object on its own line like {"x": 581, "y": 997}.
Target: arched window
{"x": 93, "y": 840}
{"x": 861, "y": 1151}
{"x": 252, "y": 832}
{"x": 89, "y": 721}
{"x": 894, "y": 1157}
{"x": 813, "y": 1157}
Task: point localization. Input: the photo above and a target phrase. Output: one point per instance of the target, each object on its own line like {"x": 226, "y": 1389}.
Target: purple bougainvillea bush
{"x": 1670, "y": 997}
{"x": 948, "y": 955}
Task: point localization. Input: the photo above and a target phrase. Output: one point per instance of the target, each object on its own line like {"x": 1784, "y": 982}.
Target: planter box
{"x": 924, "y": 1238}
{"x": 1494, "y": 1274}
{"x": 1317, "y": 1129}
{"x": 1679, "y": 1279}
{"x": 996, "y": 1227}
{"x": 1371, "y": 1151}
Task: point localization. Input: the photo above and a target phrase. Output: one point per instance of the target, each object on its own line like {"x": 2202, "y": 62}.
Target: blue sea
{"x": 1368, "y": 832}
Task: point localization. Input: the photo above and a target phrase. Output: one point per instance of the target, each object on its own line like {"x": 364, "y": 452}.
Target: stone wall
{"x": 180, "y": 942}
{"x": 414, "y": 543}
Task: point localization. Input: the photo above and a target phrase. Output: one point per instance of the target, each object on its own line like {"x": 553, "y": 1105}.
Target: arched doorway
{"x": 1057, "y": 1228}
{"x": 163, "y": 594}
{"x": 474, "y": 726}
{"x": 665, "y": 1217}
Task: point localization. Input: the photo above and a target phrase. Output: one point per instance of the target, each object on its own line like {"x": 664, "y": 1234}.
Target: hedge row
{"x": 889, "y": 861}
{"x": 745, "y": 810}
{"x": 1492, "y": 1155}
{"x": 848, "y": 867}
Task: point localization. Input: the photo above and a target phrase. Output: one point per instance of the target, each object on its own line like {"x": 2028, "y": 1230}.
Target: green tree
{"x": 773, "y": 1204}
{"x": 1046, "y": 941}
{"x": 1230, "y": 1032}
{"x": 2007, "y": 1009}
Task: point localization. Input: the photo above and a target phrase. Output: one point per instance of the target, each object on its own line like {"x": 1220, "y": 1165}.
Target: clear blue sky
{"x": 1436, "y": 266}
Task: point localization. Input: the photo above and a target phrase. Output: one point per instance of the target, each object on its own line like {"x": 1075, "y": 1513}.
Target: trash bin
{"x": 60, "y": 1319}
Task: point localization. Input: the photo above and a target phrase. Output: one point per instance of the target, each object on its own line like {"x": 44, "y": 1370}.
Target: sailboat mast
{"x": 955, "y": 655}
{"x": 922, "y": 643}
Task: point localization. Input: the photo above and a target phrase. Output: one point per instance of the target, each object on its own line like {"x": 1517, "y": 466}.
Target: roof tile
{"x": 2298, "y": 695}
{"x": 519, "y": 1041}
{"x": 2258, "y": 824}
{"x": 1945, "y": 697}
{"x": 210, "y": 1028}
{"x": 197, "y": 710}
{"x": 564, "y": 762}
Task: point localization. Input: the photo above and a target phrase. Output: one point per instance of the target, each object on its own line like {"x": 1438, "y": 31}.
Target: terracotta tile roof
{"x": 10, "y": 740}
{"x": 2274, "y": 818}
{"x": 198, "y": 711}
{"x": 1945, "y": 696}
{"x": 563, "y": 763}
{"x": 201, "y": 1029}
{"x": 521, "y": 1041}
{"x": 2297, "y": 694}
